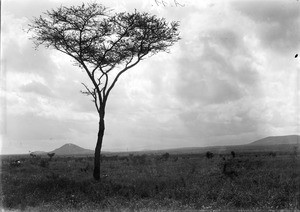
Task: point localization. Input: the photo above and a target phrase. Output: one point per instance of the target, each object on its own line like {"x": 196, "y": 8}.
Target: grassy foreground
{"x": 252, "y": 181}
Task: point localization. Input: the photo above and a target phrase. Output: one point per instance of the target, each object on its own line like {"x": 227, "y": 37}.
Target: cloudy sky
{"x": 232, "y": 78}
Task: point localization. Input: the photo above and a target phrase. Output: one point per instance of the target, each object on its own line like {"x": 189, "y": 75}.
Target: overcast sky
{"x": 232, "y": 78}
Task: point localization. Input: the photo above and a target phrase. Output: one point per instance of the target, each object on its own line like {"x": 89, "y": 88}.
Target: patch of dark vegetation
{"x": 233, "y": 154}
{"x": 209, "y": 155}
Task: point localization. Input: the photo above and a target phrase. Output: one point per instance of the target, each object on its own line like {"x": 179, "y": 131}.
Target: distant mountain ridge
{"x": 72, "y": 149}
{"x": 277, "y": 140}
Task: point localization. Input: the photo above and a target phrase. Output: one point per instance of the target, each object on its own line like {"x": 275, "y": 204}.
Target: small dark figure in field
{"x": 209, "y": 155}
{"x": 233, "y": 154}
{"x": 273, "y": 154}
{"x": 51, "y": 155}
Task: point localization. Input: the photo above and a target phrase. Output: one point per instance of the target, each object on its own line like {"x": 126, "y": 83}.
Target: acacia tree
{"x": 102, "y": 43}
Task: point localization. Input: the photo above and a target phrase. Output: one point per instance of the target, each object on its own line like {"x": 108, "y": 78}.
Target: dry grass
{"x": 152, "y": 183}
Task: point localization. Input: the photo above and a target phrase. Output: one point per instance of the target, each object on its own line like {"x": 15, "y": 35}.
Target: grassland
{"x": 250, "y": 180}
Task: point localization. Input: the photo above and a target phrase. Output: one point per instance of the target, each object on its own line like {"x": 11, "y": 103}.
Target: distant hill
{"x": 277, "y": 140}
{"x": 274, "y": 143}
{"x": 72, "y": 149}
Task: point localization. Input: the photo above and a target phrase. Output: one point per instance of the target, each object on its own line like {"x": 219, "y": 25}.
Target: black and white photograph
{"x": 154, "y": 105}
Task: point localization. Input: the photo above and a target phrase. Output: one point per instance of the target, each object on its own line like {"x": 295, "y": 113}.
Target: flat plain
{"x": 263, "y": 180}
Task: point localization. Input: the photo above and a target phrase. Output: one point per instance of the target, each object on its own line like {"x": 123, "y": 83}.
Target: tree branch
{"x": 118, "y": 75}
{"x": 89, "y": 92}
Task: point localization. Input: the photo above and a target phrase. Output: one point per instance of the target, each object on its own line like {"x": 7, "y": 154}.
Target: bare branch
{"x": 89, "y": 92}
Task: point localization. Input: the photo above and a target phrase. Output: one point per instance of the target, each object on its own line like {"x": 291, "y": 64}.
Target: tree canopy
{"x": 100, "y": 41}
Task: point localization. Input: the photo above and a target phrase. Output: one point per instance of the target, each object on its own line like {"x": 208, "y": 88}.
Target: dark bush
{"x": 51, "y": 155}
{"x": 165, "y": 156}
{"x": 209, "y": 154}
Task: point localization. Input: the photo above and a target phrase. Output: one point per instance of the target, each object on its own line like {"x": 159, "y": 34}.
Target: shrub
{"x": 209, "y": 154}
{"x": 165, "y": 156}
{"x": 51, "y": 155}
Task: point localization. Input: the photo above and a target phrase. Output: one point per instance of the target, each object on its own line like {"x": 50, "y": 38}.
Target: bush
{"x": 165, "y": 156}
{"x": 209, "y": 155}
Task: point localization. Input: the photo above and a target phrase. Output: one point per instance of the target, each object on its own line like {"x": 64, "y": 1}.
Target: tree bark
{"x": 96, "y": 173}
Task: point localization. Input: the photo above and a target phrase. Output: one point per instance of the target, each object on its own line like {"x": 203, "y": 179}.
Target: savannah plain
{"x": 155, "y": 181}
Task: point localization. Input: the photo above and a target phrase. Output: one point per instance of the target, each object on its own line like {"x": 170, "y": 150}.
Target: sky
{"x": 232, "y": 79}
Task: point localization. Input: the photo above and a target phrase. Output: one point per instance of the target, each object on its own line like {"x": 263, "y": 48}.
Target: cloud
{"x": 19, "y": 53}
{"x": 276, "y": 22}
{"x": 212, "y": 76}
{"x": 38, "y": 88}
{"x": 269, "y": 11}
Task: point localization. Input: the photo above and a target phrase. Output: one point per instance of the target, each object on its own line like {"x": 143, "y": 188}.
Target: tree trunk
{"x": 98, "y": 148}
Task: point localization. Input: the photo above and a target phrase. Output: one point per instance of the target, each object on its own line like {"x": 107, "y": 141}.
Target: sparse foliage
{"x": 102, "y": 43}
